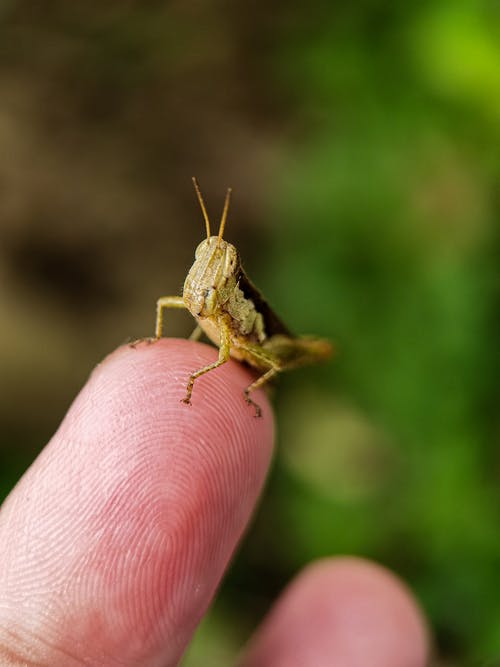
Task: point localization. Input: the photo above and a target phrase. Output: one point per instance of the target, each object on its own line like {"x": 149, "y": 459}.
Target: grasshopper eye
{"x": 199, "y": 249}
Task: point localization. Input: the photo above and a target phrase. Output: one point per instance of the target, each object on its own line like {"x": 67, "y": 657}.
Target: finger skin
{"x": 342, "y": 611}
{"x": 114, "y": 541}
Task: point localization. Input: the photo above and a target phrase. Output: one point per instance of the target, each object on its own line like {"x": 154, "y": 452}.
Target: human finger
{"x": 342, "y": 611}
{"x": 116, "y": 538}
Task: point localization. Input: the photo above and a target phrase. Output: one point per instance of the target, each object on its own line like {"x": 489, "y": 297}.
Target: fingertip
{"x": 345, "y": 611}
{"x": 146, "y": 384}
{"x": 176, "y": 359}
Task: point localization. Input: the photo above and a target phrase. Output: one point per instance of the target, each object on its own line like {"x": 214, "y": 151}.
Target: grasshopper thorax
{"x": 212, "y": 278}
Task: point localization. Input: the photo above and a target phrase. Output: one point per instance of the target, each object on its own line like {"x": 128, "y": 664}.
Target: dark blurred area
{"x": 362, "y": 143}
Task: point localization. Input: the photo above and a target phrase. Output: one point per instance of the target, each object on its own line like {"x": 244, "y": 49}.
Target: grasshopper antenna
{"x": 202, "y": 204}
{"x": 224, "y": 215}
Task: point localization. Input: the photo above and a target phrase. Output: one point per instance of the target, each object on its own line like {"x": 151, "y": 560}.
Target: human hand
{"x": 113, "y": 543}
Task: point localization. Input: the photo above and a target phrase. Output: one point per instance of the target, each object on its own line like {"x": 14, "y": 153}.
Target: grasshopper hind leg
{"x": 264, "y": 358}
{"x": 259, "y": 382}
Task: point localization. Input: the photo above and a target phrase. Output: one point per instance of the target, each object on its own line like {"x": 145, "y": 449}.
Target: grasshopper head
{"x": 213, "y": 275}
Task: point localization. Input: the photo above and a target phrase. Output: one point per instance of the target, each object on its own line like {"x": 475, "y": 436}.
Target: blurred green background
{"x": 362, "y": 143}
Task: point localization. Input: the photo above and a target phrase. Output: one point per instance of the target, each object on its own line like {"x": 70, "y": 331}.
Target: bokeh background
{"x": 362, "y": 143}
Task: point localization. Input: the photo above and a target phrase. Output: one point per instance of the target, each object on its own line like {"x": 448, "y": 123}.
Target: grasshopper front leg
{"x": 162, "y": 304}
{"x": 197, "y": 332}
{"x": 224, "y": 348}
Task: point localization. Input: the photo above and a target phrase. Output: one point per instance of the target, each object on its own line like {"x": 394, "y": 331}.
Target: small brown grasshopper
{"x": 234, "y": 315}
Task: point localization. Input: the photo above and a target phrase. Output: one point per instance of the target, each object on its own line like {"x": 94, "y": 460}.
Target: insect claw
{"x": 256, "y": 406}
{"x": 186, "y": 400}
{"x": 134, "y": 343}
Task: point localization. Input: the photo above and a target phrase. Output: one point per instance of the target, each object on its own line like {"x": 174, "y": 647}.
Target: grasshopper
{"x": 234, "y": 315}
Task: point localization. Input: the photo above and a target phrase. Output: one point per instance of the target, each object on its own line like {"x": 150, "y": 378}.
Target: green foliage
{"x": 390, "y": 214}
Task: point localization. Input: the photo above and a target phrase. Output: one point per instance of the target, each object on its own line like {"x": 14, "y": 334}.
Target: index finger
{"x": 116, "y": 538}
